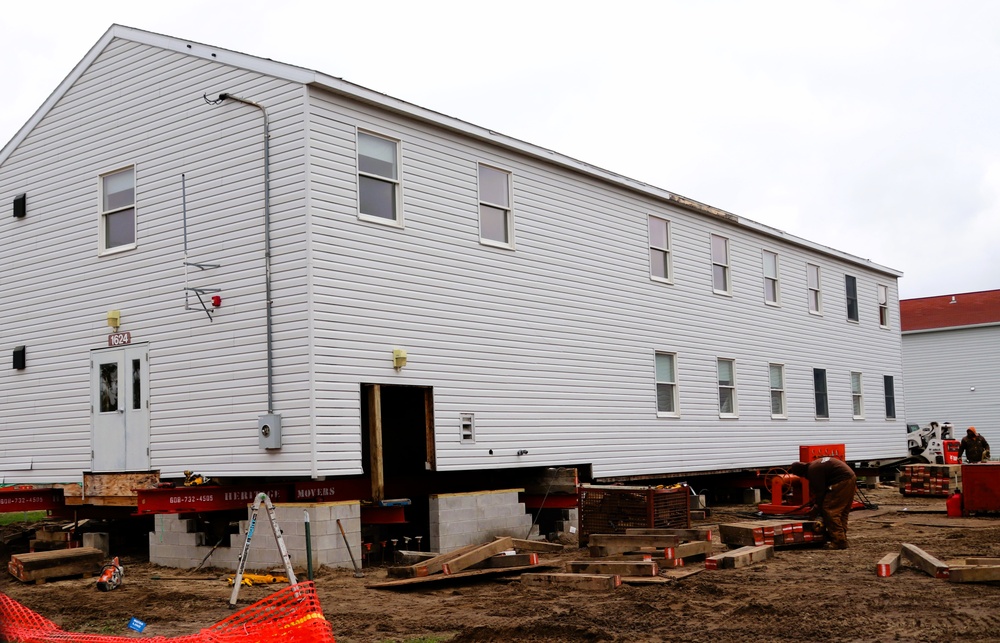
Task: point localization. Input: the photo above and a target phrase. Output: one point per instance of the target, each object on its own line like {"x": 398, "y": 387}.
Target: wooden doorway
{"x": 398, "y": 440}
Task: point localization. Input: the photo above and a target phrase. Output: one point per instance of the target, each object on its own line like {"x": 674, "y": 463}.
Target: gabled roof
{"x": 950, "y": 311}
{"x": 317, "y": 79}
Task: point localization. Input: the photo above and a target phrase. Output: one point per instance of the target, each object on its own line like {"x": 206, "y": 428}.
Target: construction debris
{"x": 930, "y": 480}
{"x": 975, "y": 570}
{"x": 924, "y": 561}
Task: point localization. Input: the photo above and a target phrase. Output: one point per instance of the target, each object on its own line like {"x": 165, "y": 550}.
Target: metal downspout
{"x": 267, "y": 242}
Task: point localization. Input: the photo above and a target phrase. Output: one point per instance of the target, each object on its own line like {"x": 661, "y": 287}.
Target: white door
{"x": 119, "y": 437}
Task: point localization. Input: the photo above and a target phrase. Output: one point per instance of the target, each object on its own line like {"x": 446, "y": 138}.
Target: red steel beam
{"x": 206, "y": 498}
{"x": 31, "y": 500}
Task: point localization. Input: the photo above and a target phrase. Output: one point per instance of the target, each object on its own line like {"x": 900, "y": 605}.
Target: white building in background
{"x": 395, "y": 289}
{"x": 951, "y": 361}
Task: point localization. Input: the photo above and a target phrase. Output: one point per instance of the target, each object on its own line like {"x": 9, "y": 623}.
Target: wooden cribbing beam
{"x": 924, "y": 561}
{"x": 576, "y": 581}
{"x": 500, "y": 561}
{"x": 478, "y": 554}
{"x": 601, "y": 545}
{"x": 742, "y": 557}
{"x": 619, "y": 567}
{"x": 39, "y": 566}
{"x": 683, "y": 534}
{"x": 974, "y": 573}
{"x": 431, "y": 566}
{"x": 535, "y": 545}
{"x": 888, "y": 565}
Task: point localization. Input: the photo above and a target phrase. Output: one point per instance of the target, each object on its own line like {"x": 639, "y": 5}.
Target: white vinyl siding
{"x": 857, "y": 396}
{"x": 496, "y": 219}
{"x": 666, "y": 384}
{"x": 776, "y": 380}
{"x": 659, "y": 250}
{"x": 814, "y": 289}
{"x": 721, "y": 283}
{"x": 772, "y": 288}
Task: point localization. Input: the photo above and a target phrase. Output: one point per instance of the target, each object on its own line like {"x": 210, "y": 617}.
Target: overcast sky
{"x": 870, "y": 127}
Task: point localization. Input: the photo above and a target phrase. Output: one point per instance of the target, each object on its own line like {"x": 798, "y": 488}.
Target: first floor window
{"x": 776, "y": 373}
{"x": 659, "y": 248}
{"x": 495, "y": 223}
{"x": 118, "y": 209}
{"x": 857, "y": 396}
{"x": 890, "y": 398}
{"x": 666, "y": 383}
{"x": 378, "y": 177}
{"x": 720, "y": 264}
{"x": 819, "y": 390}
{"x": 727, "y": 387}
{"x": 883, "y": 306}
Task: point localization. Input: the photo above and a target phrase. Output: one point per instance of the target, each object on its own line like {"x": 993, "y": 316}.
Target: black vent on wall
{"x": 20, "y": 206}
{"x": 19, "y": 358}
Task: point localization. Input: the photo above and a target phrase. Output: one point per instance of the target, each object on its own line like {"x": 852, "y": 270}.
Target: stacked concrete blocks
{"x": 459, "y": 519}
{"x": 176, "y": 544}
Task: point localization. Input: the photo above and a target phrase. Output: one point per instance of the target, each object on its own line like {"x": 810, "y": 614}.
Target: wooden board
{"x": 684, "y": 534}
{"x": 982, "y": 561}
{"x": 106, "y": 488}
{"x": 973, "y": 573}
{"x": 770, "y": 532}
{"x": 431, "y": 566}
{"x": 665, "y": 576}
{"x": 40, "y": 566}
{"x": 469, "y": 574}
{"x": 601, "y": 545}
{"x": 479, "y": 554}
{"x": 619, "y": 567}
{"x": 536, "y": 546}
{"x": 741, "y": 557}
{"x": 924, "y": 561}
{"x": 576, "y": 581}
{"x": 499, "y": 561}
{"x": 689, "y": 550}
{"x": 888, "y": 565}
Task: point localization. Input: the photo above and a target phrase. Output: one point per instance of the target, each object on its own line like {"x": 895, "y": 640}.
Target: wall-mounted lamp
{"x": 398, "y": 358}
{"x": 114, "y": 318}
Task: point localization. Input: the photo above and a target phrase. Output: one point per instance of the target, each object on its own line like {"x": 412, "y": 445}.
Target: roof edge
{"x": 938, "y": 329}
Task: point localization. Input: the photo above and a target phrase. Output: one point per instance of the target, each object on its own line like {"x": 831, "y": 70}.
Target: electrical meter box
{"x": 269, "y": 431}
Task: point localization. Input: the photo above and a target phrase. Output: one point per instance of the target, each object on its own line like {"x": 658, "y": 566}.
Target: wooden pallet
{"x": 40, "y": 566}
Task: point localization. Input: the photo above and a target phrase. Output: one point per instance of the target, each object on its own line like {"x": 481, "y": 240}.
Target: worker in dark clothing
{"x": 832, "y": 485}
{"x": 974, "y": 446}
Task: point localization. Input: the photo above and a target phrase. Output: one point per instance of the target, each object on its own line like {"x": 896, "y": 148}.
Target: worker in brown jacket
{"x": 832, "y": 485}
{"x": 974, "y": 446}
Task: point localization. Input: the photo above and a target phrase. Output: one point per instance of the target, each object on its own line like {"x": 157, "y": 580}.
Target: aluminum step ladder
{"x": 276, "y": 530}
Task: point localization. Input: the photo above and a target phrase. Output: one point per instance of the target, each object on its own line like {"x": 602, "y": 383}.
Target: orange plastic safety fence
{"x": 290, "y": 615}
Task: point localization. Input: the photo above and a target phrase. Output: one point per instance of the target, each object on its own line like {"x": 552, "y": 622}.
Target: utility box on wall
{"x": 269, "y": 431}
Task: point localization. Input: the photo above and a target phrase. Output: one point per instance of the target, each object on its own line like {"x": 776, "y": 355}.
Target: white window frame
{"x": 857, "y": 395}
{"x": 467, "y": 428}
{"x": 778, "y": 391}
{"x": 771, "y": 279}
{"x": 883, "y": 305}
{"x": 825, "y": 393}
{"x": 814, "y": 293}
{"x": 397, "y": 182}
{"x": 735, "y": 413}
{"x": 671, "y": 382}
{"x": 723, "y": 263}
{"x": 848, "y": 280}
{"x": 508, "y": 209}
{"x": 102, "y": 233}
{"x": 668, "y": 256}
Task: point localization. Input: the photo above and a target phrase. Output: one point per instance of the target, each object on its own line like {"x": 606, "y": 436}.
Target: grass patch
{"x": 22, "y": 516}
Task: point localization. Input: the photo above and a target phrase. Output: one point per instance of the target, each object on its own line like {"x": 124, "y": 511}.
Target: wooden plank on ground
{"x": 601, "y": 545}
{"x": 702, "y": 533}
{"x": 741, "y": 557}
{"x": 888, "y": 565}
{"x": 40, "y": 566}
{"x": 927, "y": 563}
{"x": 479, "y": 554}
{"x": 619, "y": 567}
{"x": 776, "y": 532}
{"x": 431, "y": 566}
{"x": 576, "y": 581}
{"x": 982, "y": 561}
{"x": 444, "y": 579}
{"x": 536, "y": 545}
{"x": 500, "y": 560}
{"x": 689, "y": 550}
{"x": 974, "y": 573}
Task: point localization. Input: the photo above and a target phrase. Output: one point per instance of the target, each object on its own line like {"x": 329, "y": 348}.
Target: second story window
{"x": 118, "y": 210}
{"x": 659, "y": 249}
{"x": 883, "y": 306}
{"x": 771, "y": 290}
{"x": 378, "y": 178}
{"x": 720, "y": 265}
{"x": 496, "y": 225}
{"x": 815, "y": 297}
{"x": 851, "y": 284}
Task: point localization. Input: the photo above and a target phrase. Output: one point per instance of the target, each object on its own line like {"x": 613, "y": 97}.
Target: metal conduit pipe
{"x": 267, "y": 240}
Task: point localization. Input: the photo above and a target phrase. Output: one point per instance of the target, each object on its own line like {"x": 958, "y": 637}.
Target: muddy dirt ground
{"x": 800, "y": 595}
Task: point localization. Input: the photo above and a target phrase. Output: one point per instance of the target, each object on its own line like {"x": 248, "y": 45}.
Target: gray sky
{"x": 867, "y": 126}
